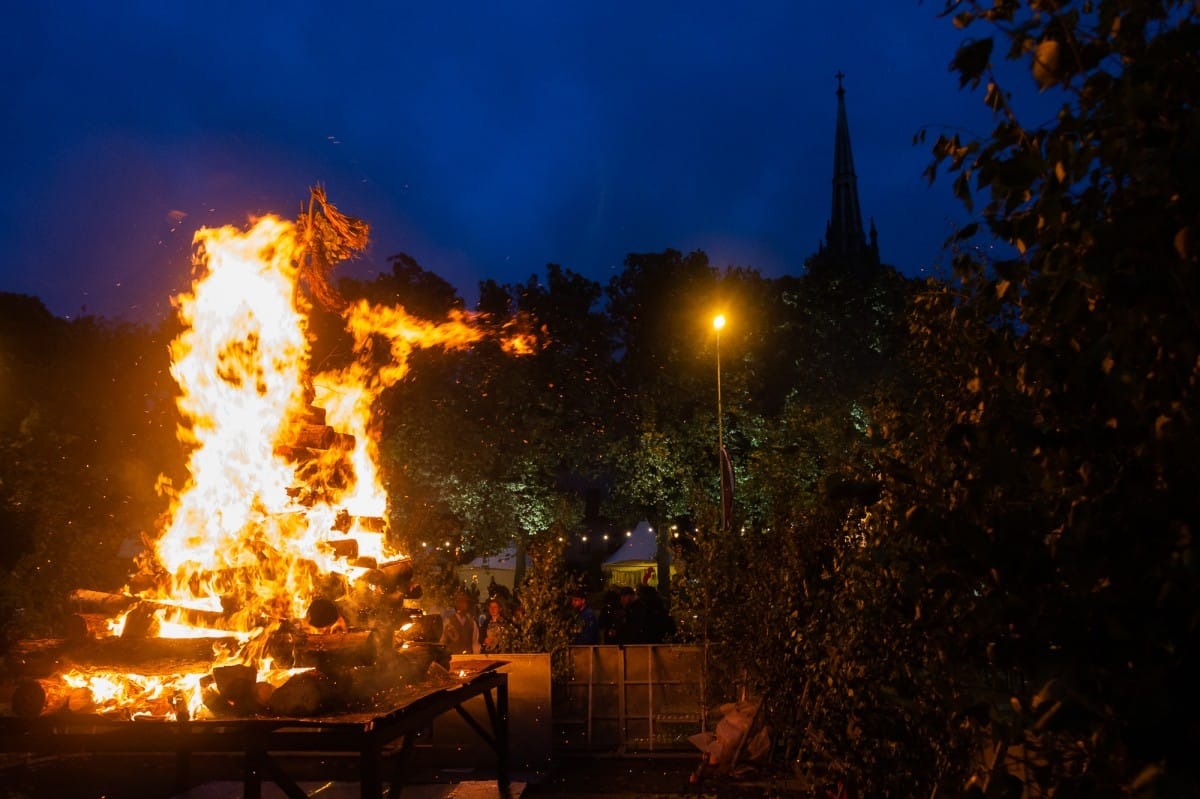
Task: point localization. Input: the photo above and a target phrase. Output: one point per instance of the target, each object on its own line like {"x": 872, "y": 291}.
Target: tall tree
{"x": 507, "y": 447}
{"x": 86, "y": 427}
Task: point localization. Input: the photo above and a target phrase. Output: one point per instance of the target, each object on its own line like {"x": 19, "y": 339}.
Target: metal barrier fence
{"x": 632, "y": 699}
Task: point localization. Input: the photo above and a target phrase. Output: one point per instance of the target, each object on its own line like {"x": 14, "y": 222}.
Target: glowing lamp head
{"x": 719, "y": 322}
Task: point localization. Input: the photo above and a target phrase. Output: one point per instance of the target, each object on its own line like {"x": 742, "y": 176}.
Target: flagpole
{"x": 718, "y": 324}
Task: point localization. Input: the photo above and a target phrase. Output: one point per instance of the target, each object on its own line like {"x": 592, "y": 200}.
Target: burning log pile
{"x": 360, "y": 645}
{"x": 357, "y": 645}
{"x": 271, "y": 588}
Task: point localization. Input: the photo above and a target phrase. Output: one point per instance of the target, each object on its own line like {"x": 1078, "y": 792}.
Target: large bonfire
{"x": 279, "y": 532}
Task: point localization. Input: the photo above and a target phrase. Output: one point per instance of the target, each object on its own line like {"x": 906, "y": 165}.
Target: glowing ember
{"x": 284, "y": 498}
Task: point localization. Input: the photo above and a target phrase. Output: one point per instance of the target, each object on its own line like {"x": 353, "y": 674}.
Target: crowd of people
{"x": 626, "y": 616}
{"x": 465, "y": 633}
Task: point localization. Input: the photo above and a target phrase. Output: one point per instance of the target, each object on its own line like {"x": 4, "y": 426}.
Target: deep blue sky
{"x": 485, "y": 139}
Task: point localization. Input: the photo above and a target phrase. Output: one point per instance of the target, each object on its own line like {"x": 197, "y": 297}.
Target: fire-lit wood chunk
{"x": 302, "y": 695}
{"x": 314, "y": 415}
{"x": 236, "y": 681}
{"x": 97, "y": 608}
{"x": 232, "y": 690}
{"x": 322, "y": 613}
{"x": 32, "y": 698}
{"x": 293, "y": 649}
{"x": 101, "y": 602}
{"x": 140, "y": 622}
{"x": 145, "y": 655}
{"x": 345, "y": 548}
{"x": 329, "y": 651}
{"x": 85, "y": 626}
{"x": 425, "y": 627}
{"x": 262, "y": 693}
{"x": 29, "y": 698}
{"x": 81, "y": 700}
{"x": 393, "y": 576}
{"x": 50, "y": 657}
{"x": 313, "y": 436}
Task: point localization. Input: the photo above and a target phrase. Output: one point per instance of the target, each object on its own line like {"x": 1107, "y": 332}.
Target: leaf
{"x": 1045, "y": 64}
{"x": 966, "y": 232}
{"x": 1160, "y": 426}
{"x": 971, "y": 60}
{"x": 1146, "y": 776}
{"x": 1181, "y": 242}
{"x": 994, "y": 99}
{"x": 962, "y": 190}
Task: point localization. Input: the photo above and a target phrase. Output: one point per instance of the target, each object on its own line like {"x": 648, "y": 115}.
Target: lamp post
{"x": 718, "y": 323}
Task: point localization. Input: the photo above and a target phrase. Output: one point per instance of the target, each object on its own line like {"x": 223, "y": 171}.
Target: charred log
{"x": 304, "y": 694}
{"x": 31, "y": 698}
{"x": 421, "y": 628}
{"x": 344, "y": 548}
{"x": 333, "y": 651}
{"x": 86, "y": 626}
{"x": 140, "y": 622}
{"x": 231, "y": 691}
{"x": 342, "y": 524}
{"x": 143, "y": 614}
{"x": 290, "y": 648}
{"x": 146, "y": 655}
{"x": 393, "y": 576}
{"x": 313, "y": 436}
{"x": 322, "y": 613}
{"x": 372, "y": 524}
{"x": 84, "y": 600}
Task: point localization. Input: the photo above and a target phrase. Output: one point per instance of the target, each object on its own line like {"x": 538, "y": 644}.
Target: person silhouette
{"x": 460, "y": 630}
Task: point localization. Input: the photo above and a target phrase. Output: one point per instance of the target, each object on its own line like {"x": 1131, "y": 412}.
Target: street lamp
{"x": 719, "y": 324}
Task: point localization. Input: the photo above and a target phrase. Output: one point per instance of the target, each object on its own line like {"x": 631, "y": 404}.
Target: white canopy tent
{"x": 500, "y": 567}
{"x": 628, "y": 565}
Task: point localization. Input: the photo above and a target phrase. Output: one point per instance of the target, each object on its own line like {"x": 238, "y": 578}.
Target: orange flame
{"x": 247, "y": 538}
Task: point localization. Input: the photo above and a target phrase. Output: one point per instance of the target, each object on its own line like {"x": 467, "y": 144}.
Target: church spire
{"x": 845, "y": 236}
{"x": 845, "y": 242}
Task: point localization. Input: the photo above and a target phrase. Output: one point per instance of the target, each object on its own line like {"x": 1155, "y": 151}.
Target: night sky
{"x": 485, "y": 139}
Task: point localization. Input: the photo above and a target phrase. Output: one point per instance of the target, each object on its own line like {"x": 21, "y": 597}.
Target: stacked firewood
{"x": 358, "y": 643}
{"x": 328, "y": 672}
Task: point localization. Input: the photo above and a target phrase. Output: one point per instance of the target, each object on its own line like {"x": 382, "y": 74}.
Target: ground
{"x": 599, "y": 777}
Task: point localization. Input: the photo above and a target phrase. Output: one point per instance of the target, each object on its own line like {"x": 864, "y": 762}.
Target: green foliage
{"x": 86, "y": 426}
{"x": 1053, "y": 506}
{"x": 479, "y": 442}
{"x": 544, "y": 623}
